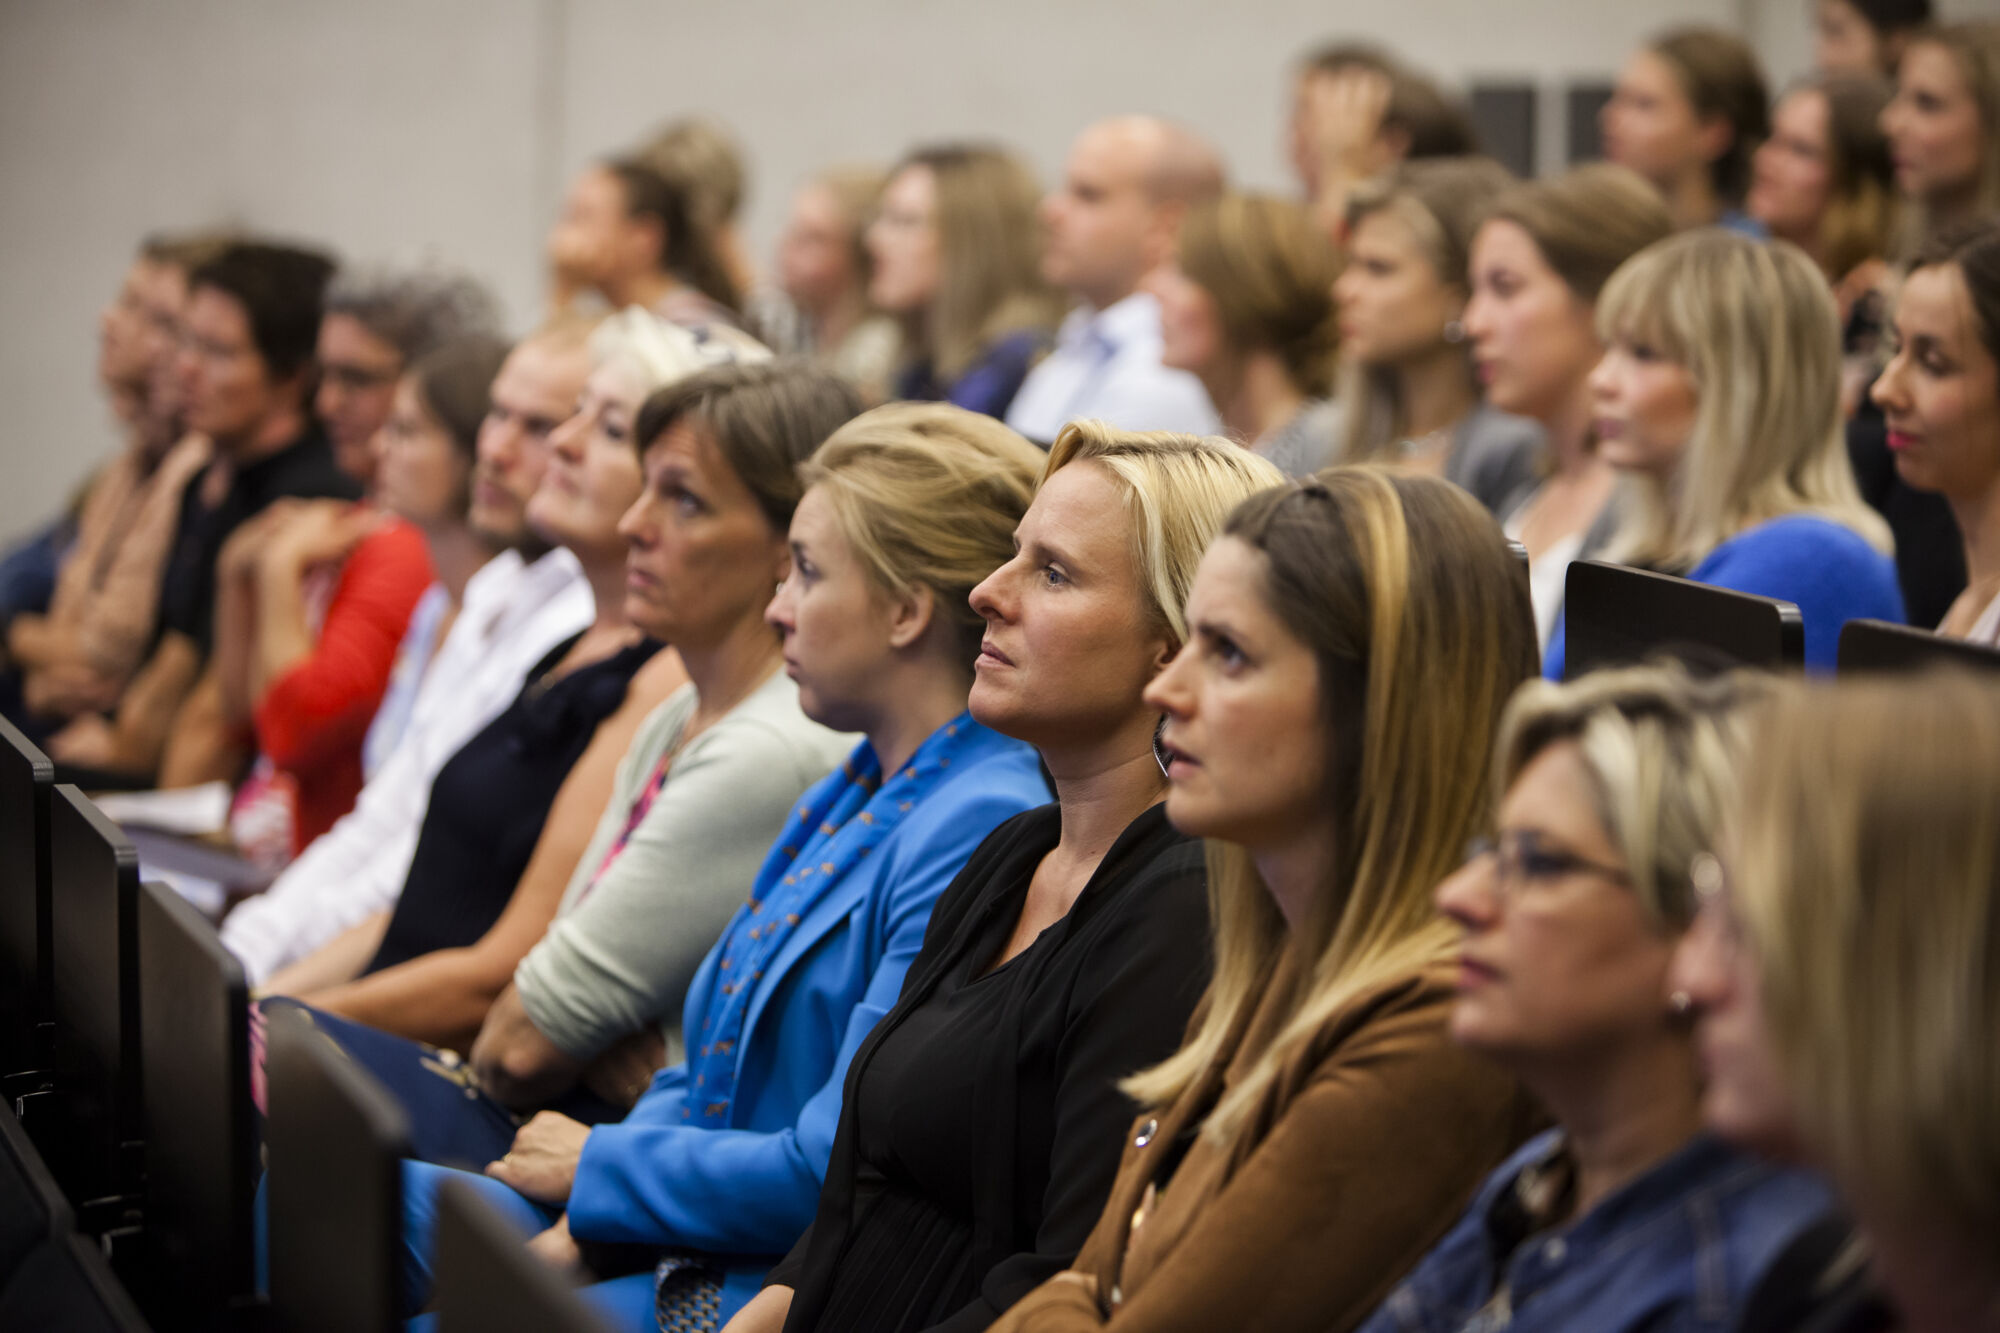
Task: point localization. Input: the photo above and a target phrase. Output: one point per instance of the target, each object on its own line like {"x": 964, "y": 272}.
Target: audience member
{"x": 1408, "y": 393}
{"x": 1357, "y": 113}
{"x": 1842, "y": 970}
{"x": 1069, "y": 952}
{"x": 103, "y": 609}
{"x": 1111, "y": 221}
{"x": 525, "y": 602}
{"x": 1944, "y": 128}
{"x": 957, "y": 261}
{"x": 1941, "y": 398}
{"x": 1538, "y": 263}
{"x": 631, "y": 236}
{"x": 1332, "y": 626}
{"x": 1864, "y": 38}
{"x": 824, "y": 269}
{"x": 1625, "y": 1216}
{"x": 1246, "y": 304}
{"x": 1689, "y": 111}
{"x": 905, "y": 510}
{"x": 245, "y": 367}
{"x": 702, "y": 155}
{"x": 425, "y": 456}
{"x": 1719, "y": 393}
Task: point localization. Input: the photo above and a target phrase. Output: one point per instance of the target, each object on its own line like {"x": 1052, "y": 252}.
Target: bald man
{"x": 1112, "y": 220}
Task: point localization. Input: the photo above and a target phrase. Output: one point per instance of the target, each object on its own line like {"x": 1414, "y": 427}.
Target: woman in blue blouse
{"x": 720, "y": 1163}
{"x": 1719, "y": 393}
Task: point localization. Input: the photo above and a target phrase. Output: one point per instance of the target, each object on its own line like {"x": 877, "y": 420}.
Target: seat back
{"x": 26, "y": 776}
{"x": 1616, "y": 616}
{"x": 194, "y": 1058}
{"x": 93, "y": 928}
{"x": 32, "y": 1207}
{"x": 336, "y": 1143}
{"x": 68, "y": 1284}
{"x": 487, "y": 1282}
{"x": 1877, "y": 645}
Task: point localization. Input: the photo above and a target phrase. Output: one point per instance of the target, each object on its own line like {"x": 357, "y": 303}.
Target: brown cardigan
{"x": 1368, "y": 1146}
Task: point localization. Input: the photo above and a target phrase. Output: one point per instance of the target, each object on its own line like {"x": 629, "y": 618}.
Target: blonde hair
{"x": 928, "y": 496}
{"x": 1418, "y": 617}
{"x": 1756, "y": 328}
{"x": 1866, "y": 875}
{"x": 989, "y": 254}
{"x": 857, "y": 191}
{"x": 1178, "y": 490}
{"x": 1659, "y": 748}
{"x": 1440, "y": 202}
{"x": 1270, "y": 270}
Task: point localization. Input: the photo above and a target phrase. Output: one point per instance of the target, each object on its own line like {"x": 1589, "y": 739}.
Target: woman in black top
{"x": 981, "y": 1122}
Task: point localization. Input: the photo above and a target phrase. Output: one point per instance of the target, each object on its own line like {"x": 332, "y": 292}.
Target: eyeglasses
{"x": 1522, "y": 858}
{"x": 356, "y": 378}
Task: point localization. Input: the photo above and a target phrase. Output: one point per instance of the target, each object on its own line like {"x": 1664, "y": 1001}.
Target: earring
{"x": 1681, "y": 1003}
{"x": 1454, "y": 331}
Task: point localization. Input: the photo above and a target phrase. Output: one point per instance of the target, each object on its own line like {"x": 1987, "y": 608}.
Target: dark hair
{"x": 1434, "y": 124}
{"x": 1860, "y": 218}
{"x": 1721, "y": 77}
{"x": 455, "y": 384}
{"x": 1974, "y": 249}
{"x": 764, "y": 420}
{"x": 281, "y": 289}
{"x": 1892, "y": 16}
{"x": 688, "y": 247}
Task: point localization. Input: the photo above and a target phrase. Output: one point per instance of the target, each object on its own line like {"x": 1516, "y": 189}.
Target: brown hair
{"x": 1587, "y": 221}
{"x": 455, "y": 382}
{"x": 702, "y": 156}
{"x": 1430, "y": 121}
{"x": 689, "y": 248}
{"x": 1720, "y": 75}
{"x": 1270, "y": 270}
{"x": 1974, "y": 250}
{"x": 1860, "y": 219}
{"x": 764, "y": 420}
{"x": 1975, "y": 49}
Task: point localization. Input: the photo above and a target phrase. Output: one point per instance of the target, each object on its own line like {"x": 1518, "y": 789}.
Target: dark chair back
{"x": 1615, "y": 616}
{"x": 1877, "y": 645}
{"x": 26, "y": 776}
{"x": 336, "y": 1143}
{"x": 194, "y": 1059}
{"x": 93, "y": 928}
{"x": 487, "y": 1282}
{"x": 68, "y": 1284}
{"x": 32, "y": 1207}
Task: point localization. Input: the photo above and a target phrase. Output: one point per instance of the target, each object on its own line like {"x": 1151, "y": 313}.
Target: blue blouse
{"x": 725, "y": 1153}
{"x": 989, "y": 384}
{"x": 1826, "y": 570}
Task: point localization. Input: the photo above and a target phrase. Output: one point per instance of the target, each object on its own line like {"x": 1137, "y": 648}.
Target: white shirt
{"x": 1106, "y": 364}
{"x": 512, "y": 616}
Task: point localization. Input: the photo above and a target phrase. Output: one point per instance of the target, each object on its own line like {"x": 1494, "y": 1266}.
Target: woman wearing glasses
{"x": 1625, "y": 1216}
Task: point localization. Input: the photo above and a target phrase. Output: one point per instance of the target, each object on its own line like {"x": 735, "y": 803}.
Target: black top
{"x": 304, "y": 468}
{"x": 1820, "y": 1283}
{"x": 489, "y": 802}
{"x": 982, "y": 1120}
{"x": 1930, "y": 554}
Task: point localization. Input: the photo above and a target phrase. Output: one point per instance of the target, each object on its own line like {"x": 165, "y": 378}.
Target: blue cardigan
{"x": 1828, "y": 571}
{"x": 745, "y": 1193}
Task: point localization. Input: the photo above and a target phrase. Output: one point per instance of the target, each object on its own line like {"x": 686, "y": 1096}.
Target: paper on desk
{"x": 190, "y": 811}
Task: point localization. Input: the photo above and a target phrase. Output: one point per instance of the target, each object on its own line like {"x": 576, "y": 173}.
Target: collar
{"x": 1134, "y": 319}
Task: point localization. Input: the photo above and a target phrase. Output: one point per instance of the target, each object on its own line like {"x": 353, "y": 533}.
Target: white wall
{"x": 399, "y": 129}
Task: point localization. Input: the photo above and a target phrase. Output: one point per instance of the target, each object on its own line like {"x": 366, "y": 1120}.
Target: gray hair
{"x": 415, "y": 311}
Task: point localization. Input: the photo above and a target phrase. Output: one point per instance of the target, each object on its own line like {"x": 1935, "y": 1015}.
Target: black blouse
{"x": 489, "y": 801}
{"x": 982, "y": 1122}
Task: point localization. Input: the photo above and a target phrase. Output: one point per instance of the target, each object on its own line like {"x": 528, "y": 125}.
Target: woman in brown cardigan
{"x": 1329, "y": 727}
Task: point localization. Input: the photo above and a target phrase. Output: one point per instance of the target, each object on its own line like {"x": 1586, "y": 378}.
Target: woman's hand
{"x": 765, "y": 1313}
{"x": 542, "y": 1162}
{"x": 558, "y": 1249}
{"x": 315, "y": 532}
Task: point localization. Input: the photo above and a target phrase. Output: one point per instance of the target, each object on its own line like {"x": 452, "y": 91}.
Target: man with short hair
{"x": 244, "y": 367}
{"x": 516, "y": 609}
{"x": 1111, "y": 221}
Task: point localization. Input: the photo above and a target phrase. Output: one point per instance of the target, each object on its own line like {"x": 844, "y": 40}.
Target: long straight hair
{"x": 1419, "y": 621}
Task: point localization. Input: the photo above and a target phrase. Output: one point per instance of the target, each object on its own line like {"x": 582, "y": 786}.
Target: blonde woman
{"x": 1625, "y": 1217}
{"x": 1408, "y": 394}
{"x": 970, "y": 1159}
{"x": 1944, "y": 127}
{"x": 1247, "y": 306}
{"x": 1539, "y": 261}
{"x": 1353, "y": 642}
{"x": 824, "y": 270}
{"x": 1843, "y": 972}
{"x": 957, "y": 258}
{"x": 1719, "y": 395}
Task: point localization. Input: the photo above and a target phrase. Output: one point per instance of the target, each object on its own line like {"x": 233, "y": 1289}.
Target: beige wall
{"x": 404, "y": 129}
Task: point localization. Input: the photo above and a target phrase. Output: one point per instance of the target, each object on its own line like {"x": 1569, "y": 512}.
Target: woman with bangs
{"x": 970, "y": 1160}
{"x": 1354, "y": 640}
{"x": 1719, "y": 395}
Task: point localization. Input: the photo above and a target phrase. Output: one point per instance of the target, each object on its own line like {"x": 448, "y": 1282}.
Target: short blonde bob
{"x": 1178, "y": 490}
{"x": 927, "y": 496}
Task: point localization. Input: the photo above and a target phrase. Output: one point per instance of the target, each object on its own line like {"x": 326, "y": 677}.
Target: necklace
{"x": 1422, "y": 445}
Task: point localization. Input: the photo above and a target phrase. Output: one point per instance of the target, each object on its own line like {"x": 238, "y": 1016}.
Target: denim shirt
{"x": 1681, "y": 1247}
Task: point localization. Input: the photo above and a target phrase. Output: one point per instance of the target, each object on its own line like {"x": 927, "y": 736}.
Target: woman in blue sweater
{"x": 720, "y": 1163}
{"x": 1719, "y": 393}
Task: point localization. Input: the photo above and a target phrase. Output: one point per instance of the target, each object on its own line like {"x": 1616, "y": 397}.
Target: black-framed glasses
{"x": 1522, "y": 858}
